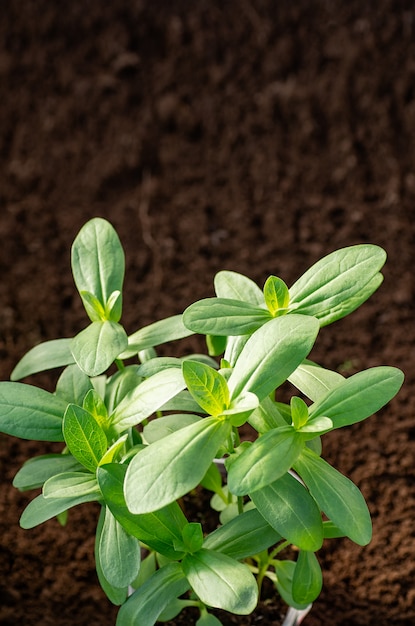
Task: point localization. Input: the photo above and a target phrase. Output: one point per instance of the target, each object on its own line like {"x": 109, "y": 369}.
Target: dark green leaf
{"x": 159, "y": 530}
{"x": 307, "y": 579}
{"x": 148, "y": 602}
{"x": 337, "y": 496}
{"x": 288, "y": 507}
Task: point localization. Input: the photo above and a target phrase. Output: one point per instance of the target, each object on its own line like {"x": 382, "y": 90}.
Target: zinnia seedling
{"x": 140, "y": 439}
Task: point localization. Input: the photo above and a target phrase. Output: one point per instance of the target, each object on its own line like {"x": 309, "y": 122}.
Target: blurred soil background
{"x": 251, "y": 135}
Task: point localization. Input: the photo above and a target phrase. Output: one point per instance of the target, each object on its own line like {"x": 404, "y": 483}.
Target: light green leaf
{"x": 236, "y": 286}
{"x": 276, "y": 295}
{"x": 299, "y": 412}
{"x": 241, "y": 408}
{"x": 117, "y": 448}
{"x": 150, "y": 600}
{"x": 42, "y": 509}
{"x": 115, "y": 595}
{"x": 36, "y": 471}
{"x": 338, "y": 283}
{"x": 30, "y": 413}
{"x": 119, "y": 553}
{"x": 291, "y": 511}
{"x": 44, "y": 356}
{"x": 98, "y": 263}
{"x": 359, "y": 396}
{"x": 120, "y": 384}
{"x": 94, "y": 404}
{"x": 95, "y": 310}
{"x": 221, "y": 582}
{"x": 147, "y": 398}
{"x": 223, "y": 316}
{"x": 159, "y": 530}
{"x": 84, "y": 437}
{"x": 247, "y": 534}
{"x": 72, "y": 485}
{"x": 166, "y": 425}
{"x": 167, "y": 469}
{"x": 207, "y": 386}
{"x": 97, "y": 346}
{"x": 313, "y": 380}
{"x": 168, "y": 329}
{"x": 337, "y": 496}
{"x": 73, "y": 385}
{"x": 272, "y": 353}
{"x": 267, "y": 459}
{"x": 216, "y": 344}
{"x": 307, "y": 579}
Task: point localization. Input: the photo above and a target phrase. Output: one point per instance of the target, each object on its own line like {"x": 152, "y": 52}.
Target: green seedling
{"x": 139, "y": 432}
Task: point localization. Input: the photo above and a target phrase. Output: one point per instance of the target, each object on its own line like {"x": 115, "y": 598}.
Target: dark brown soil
{"x": 250, "y": 135}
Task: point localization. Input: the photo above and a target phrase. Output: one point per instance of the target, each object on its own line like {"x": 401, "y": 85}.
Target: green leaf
{"x": 223, "y": 316}
{"x": 272, "y": 353}
{"x": 266, "y": 460}
{"x": 167, "y": 469}
{"x": 119, "y": 553}
{"x": 307, "y": 579}
{"x": 37, "y": 470}
{"x": 207, "y": 619}
{"x": 147, "y": 398}
{"x": 30, "y": 413}
{"x": 44, "y": 356}
{"x": 337, "y": 496}
{"x": 168, "y": 329}
{"x": 98, "y": 263}
{"x": 41, "y": 509}
{"x": 166, "y": 425}
{"x": 212, "y": 480}
{"x": 276, "y": 295}
{"x": 120, "y": 384}
{"x": 236, "y": 286}
{"x": 97, "y": 346}
{"x": 159, "y": 530}
{"x": 94, "y": 404}
{"x": 245, "y": 535}
{"x": 84, "y": 437}
{"x": 338, "y": 283}
{"x": 313, "y": 380}
{"x": 299, "y": 412}
{"x": 150, "y": 600}
{"x": 241, "y": 408}
{"x": 95, "y": 310}
{"x": 266, "y": 416}
{"x": 285, "y": 572}
{"x": 221, "y": 582}
{"x": 115, "y": 595}
{"x": 216, "y": 344}
{"x": 117, "y": 448}
{"x": 73, "y": 385}
{"x": 207, "y": 386}
{"x": 359, "y": 396}
{"x": 192, "y": 537}
{"x": 291, "y": 511}
{"x": 72, "y": 485}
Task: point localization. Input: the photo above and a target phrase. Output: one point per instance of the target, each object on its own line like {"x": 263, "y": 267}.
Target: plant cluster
{"x": 140, "y": 431}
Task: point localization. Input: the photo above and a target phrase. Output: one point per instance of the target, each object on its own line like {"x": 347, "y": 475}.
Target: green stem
{"x": 120, "y": 365}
